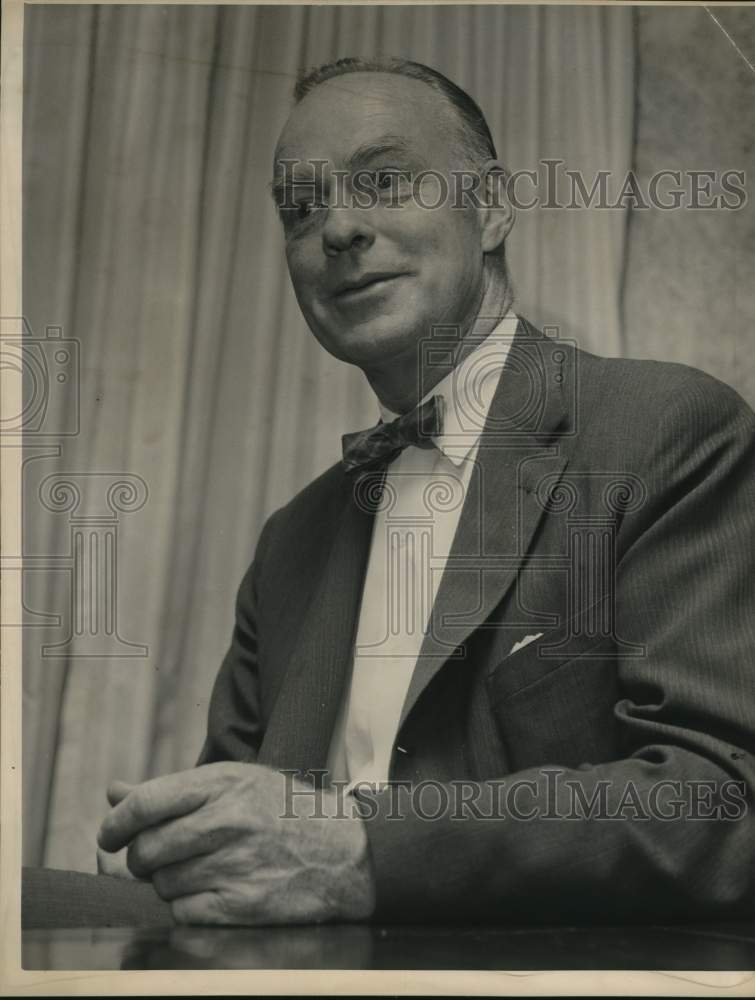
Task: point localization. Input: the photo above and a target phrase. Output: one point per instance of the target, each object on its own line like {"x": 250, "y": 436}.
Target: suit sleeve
{"x": 234, "y": 725}
{"x": 685, "y": 588}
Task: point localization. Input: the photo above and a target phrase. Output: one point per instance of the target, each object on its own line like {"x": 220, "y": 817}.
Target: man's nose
{"x": 346, "y": 228}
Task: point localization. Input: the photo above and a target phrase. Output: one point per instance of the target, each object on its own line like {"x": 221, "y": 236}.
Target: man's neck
{"x": 400, "y": 386}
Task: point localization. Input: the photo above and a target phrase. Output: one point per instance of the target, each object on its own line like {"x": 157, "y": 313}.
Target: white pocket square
{"x": 525, "y": 642}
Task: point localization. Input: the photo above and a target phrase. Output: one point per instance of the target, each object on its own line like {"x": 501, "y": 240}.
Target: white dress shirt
{"x": 412, "y": 536}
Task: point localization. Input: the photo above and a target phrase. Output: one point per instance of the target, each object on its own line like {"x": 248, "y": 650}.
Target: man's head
{"x": 380, "y": 243}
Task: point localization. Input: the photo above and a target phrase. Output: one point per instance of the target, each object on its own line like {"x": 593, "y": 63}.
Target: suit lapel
{"x": 519, "y": 446}
{"x": 301, "y": 723}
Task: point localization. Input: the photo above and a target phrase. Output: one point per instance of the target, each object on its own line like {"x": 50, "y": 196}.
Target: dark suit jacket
{"x": 613, "y": 509}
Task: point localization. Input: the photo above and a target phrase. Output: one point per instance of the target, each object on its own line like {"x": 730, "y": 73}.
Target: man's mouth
{"x": 364, "y": 285}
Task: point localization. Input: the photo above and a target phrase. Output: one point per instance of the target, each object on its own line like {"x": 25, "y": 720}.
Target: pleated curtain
{"x": 150, "y": 239}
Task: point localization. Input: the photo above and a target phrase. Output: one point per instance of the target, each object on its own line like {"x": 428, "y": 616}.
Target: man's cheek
{"x": 305, "y": 289}
{"x": 301, "y": 260}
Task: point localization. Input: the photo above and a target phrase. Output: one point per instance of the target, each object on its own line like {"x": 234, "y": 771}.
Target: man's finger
{"x": 152, "y": 802}
{"x": 199, "y": 833}
{"x": 117, "y": 791}
{"x": 113, "y": 865}
{"x": 187, "y": 878}
{"x": 203, "y": 908}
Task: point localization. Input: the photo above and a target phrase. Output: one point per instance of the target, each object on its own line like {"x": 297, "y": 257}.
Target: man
{"x": 527, "y": 594}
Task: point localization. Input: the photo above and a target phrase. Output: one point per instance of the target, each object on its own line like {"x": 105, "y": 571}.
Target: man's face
{"x": 371, "y": 280}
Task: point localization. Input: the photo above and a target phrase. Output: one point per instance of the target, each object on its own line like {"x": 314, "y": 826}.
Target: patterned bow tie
{"x": 384, "y": 442}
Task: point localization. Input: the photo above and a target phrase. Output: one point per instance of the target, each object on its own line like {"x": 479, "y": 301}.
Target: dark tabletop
{"x": 709, "y": 946}
{"x": 78, "y": 921}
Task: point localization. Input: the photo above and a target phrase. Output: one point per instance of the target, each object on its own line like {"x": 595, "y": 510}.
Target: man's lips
{"x": 366, "y": 283}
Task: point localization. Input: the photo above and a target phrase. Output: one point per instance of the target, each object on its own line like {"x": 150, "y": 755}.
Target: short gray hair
{"x": 476, "y": 139}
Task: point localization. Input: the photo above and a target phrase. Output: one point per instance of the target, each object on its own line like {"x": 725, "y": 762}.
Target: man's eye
{"x": 299, "y": 211}
{"x": 303, "y": 209}
{"x": 385, "y": 180}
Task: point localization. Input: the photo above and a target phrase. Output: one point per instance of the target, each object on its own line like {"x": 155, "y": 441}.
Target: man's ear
{"x": 496, "y": 211}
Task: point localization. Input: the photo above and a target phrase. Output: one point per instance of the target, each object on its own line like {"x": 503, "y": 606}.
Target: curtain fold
{"x": 150, "y": 238}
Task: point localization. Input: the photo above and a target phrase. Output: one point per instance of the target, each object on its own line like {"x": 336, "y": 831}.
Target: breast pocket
{"x": 553, "y": 701}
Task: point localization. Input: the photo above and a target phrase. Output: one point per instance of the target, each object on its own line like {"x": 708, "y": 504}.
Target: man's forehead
{"x": 341, "y": 114}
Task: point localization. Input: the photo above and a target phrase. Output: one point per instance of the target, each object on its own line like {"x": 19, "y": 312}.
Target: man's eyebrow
{"x": 382, "y": 146}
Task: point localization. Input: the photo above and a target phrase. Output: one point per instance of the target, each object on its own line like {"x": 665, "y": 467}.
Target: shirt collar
{"x": 468, "y": 391}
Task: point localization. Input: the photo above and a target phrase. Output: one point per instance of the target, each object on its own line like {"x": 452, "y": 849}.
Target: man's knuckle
{"x": 225, "y": 820}
{"x": 206, "y": 908}
{"x": 142, "y": 853}
{"x": 164, "y": 884}
{"x": 179, "y": 911}
{"x": 140, "y": 805}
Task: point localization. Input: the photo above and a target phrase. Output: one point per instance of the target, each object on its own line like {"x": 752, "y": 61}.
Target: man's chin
{"x": 370, "y": 345}
{"x": 376, "y": 352}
